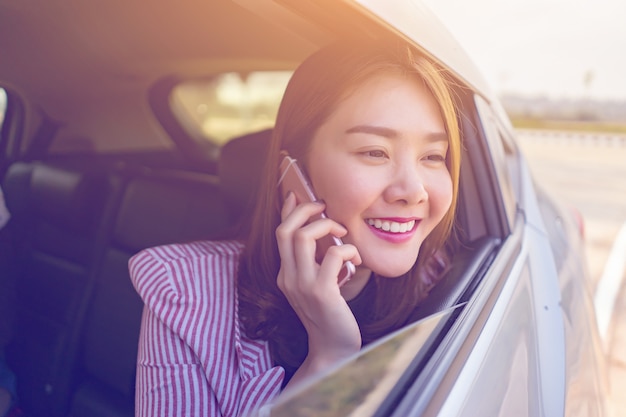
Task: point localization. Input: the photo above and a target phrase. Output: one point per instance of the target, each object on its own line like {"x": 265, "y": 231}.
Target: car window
{"x": 502, "y": 155}
{"x": 228, "y": 105}
{"x": 369, "y": 383}
{"x": 125, "y": 125}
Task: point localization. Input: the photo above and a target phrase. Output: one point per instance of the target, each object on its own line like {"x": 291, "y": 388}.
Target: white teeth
{"x": 390, "y": 226}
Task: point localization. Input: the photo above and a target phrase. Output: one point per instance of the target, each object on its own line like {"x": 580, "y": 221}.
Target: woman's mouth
{"x": 392, "y": 226}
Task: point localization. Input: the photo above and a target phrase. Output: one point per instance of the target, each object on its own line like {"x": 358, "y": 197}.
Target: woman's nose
{"x": 407, "y": 185}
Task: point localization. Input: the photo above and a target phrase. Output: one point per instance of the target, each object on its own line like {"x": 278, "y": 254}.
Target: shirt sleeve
{"x": 192, "y": 359}
{"x": 170, "y": 378}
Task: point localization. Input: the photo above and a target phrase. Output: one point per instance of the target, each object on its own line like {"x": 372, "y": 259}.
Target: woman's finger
{"x": 288, "y": 205}
{"x": 336, "y": 256}
{"x": 293, "y": 217}
{"x": 289, "y": 234}
{"x": 306, "y": 240}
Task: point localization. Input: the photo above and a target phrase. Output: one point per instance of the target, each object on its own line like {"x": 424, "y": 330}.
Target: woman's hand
{"x": 312, "y": 288}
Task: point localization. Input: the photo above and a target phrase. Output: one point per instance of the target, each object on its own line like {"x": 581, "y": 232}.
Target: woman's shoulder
{"x": 192, "y": 250}
{"x": 182, "y": 252}
{"x": 172, "y": 268}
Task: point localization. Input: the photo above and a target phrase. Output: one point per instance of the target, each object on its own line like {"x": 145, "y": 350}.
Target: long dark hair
{"x": 319, "y": 84}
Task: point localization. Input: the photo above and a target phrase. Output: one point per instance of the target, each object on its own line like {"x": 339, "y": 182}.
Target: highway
{"x": 588, "y": 173}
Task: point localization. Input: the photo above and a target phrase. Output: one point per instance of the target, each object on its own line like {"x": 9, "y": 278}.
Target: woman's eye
{"x": 436, "y": 158}
{"x": 376, "y": 154}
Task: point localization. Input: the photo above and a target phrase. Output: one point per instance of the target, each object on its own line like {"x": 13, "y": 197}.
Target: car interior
{"x": 79, "y": 215}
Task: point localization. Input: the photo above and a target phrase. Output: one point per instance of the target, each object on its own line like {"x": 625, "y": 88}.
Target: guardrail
{"x": 609, "y": 140}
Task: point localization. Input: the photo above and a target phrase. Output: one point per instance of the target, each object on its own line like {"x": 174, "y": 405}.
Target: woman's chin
{"x": 392, "y": 274}
{"x": 389, "y": 262}
{"x": 392, "y": 269}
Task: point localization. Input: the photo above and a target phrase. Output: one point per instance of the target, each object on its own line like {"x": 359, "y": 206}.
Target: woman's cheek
{"x": 345, "y": 196}
{"x": 441, "y": 195}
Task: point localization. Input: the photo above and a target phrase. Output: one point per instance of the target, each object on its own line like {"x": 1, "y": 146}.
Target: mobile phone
{"x": 292, "y": 178}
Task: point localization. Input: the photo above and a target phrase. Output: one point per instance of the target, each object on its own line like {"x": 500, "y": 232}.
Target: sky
{"x": 554, "y": 48}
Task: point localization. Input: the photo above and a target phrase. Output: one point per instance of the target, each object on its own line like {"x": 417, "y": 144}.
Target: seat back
{"x": 56, "y": 239}
{"x": 156, "y": 208}
{"x": 74, "y": 227}
{"x": 241, "y": 165}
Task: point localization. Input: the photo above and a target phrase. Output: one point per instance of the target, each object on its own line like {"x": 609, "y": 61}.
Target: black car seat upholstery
{"x": 156, "y": 208}
{"x": 75, "y": 225}
{"x": 241, "y": 164}
{"x": 73, "y": 231}
{"x": 57, "y": 240}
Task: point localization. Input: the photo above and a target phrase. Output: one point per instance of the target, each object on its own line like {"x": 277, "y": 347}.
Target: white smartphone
{"x": 291, "y": 178}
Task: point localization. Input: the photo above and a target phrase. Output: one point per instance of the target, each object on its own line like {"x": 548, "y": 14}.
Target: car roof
{"x": 117, "y": 39}
{"x": 95, "y": 46}
{"x": 415, "y": 21}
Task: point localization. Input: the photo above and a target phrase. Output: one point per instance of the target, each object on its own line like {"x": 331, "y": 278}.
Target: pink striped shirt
{"x": 193, "y": 359}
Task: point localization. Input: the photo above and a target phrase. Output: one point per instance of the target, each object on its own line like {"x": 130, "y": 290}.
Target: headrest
{"x": 241, "y": 164}
{"x": 160, "y": 208}
{"x": 66, "y": 198}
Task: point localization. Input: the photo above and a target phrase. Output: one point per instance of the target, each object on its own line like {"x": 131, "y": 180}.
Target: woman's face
{"x": 378, "y": 162}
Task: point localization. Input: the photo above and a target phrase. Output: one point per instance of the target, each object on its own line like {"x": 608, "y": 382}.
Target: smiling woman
{"x": 378, "y": 136}
{"x": 332, "y": 92}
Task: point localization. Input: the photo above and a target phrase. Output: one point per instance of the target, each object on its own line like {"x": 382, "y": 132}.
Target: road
{"x": 589, "y": 173}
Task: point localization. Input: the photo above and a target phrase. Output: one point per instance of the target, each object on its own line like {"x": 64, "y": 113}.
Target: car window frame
{"x": 501, "y": 149}
{"x": 12, "y": 130}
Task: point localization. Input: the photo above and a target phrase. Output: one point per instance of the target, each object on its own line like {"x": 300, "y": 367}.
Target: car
{"x": 130, "y": 124}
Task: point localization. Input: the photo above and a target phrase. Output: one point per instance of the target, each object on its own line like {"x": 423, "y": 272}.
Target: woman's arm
{"x": 170, "y": 379}
{"x": 191, "y": 358}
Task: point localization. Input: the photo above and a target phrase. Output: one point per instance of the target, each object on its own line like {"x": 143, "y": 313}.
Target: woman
{"x": 227, "y": 326}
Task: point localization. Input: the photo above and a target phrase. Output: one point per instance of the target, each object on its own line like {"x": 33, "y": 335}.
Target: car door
{"x": 511, "y": 359}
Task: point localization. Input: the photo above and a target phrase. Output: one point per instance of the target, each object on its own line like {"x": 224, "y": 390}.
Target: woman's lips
{"x": 393, "y": 226}
{"x": 394, "y": 230}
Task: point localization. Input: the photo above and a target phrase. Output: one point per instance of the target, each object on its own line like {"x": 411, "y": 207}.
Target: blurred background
{"x": 562, "y": 60}
{"x": 559, "y": 68}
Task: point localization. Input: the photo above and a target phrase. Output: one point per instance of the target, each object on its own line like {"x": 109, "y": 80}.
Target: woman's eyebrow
{"x": 387, "y": 132}
{"x": 374, "y": 130}
{"x": 438, "y": 137}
